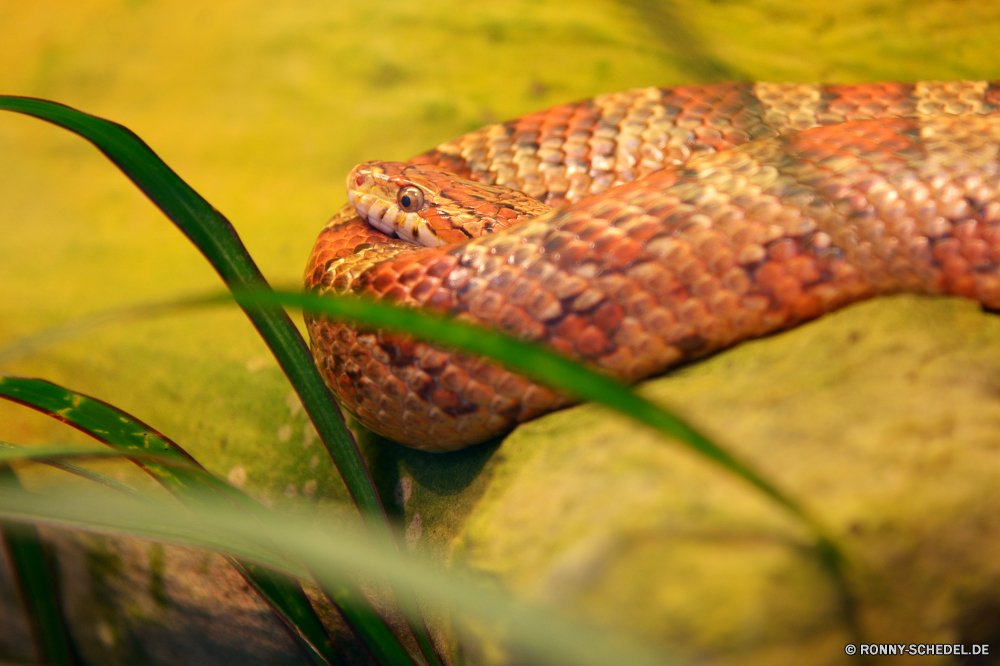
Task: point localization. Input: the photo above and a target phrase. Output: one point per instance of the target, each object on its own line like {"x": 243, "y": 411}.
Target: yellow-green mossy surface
{"x": 882, "y": 426}
{"x": 881, "y": 420}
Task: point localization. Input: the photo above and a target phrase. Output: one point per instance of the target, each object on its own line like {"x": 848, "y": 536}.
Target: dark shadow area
{"x": 980, "y": 625}
{"x": 443, "y": 474}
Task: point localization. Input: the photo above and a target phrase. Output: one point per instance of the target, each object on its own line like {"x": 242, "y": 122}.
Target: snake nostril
{"x": 359, "y": 180}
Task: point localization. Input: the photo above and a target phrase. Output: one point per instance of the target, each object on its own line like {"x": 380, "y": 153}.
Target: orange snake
{"x": 688, "y": 219}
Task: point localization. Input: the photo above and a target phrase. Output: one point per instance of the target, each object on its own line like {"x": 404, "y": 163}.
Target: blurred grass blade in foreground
{"x": 37, "y": 585}
{"x": 538, "y": 636}
{"x": 545, "y": 367}
{"x": 215, "y": 237}
{"x": 191, "y": 483}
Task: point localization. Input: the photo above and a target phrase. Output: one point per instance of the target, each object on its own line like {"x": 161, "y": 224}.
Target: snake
{"x": 642, "y": 229}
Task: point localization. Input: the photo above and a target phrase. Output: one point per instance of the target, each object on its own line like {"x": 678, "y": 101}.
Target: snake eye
{"x": 410, "y": 199}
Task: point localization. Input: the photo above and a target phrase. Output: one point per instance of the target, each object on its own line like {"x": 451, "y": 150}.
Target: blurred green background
{"x": 263, "y": 107}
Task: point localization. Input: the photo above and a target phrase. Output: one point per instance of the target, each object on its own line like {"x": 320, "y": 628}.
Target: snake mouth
{"x": 388, "y": 218}
{"x": 375, "y": 211}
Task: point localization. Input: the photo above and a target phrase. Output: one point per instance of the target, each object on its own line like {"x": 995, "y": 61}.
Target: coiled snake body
{"x": 688, "y": 219}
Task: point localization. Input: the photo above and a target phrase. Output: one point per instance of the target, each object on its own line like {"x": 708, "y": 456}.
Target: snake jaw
{"x": 373, "y": 210}
{"x": 383, "y": 214}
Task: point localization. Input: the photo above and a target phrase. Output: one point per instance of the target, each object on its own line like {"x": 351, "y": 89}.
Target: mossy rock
{"x": 882, "y": 420}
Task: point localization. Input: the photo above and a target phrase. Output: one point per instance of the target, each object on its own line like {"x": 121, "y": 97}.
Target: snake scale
{"x": 688, "y": 219}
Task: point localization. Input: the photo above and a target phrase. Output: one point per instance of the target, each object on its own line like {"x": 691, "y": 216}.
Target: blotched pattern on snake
{"x": 687, "y": 219}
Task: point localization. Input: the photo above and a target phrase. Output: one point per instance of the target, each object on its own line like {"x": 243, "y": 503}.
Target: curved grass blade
{"x": 101, "y": 421}
{"x": 10, "y": 453}
{"x": 54, "y": 454}
{"x": 215, "y": 237}
{"x": 532, "y": 360}
{"x": 564, "y": 375}
{"x": 37, "y": 585}
{"x": 28, "y": 344}
{"x": 127, "y": 434}
{"x": 379, "y": 634}
{"x": 543, "y": 366}
{"x": 219, "y": 243}
{"x": 82, "y": 472}
{"x": 542, "y": 636}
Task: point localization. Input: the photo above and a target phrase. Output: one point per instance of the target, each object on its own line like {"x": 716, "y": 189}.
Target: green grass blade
{"x": 103, "y": 422}
{"x": 285, "y": 596}
{"x": 567, "y": 376}
{"x": 43, "y": 454}
{"x": 555, "y": 371}
{"x": 177, "y": 471}
{"x": 215, "y": 237}
{"x": 31, "y": 566}
{"x": 29, "y": 344}
{"x": 548, "y": 368}
{"x": 370, "y": 628}
{"x": 82, "y": 472}
{"x": 54, "y": 455}
{"x": 541, "y": 636}
{"x": 530, "y": 359}
{"x": 378, "y": 638}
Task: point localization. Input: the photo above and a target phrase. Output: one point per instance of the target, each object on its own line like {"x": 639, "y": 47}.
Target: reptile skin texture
{"x": 687, "y": 220}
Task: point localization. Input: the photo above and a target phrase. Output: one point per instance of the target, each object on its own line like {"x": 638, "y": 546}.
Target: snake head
{"x": 430, "y": 206}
